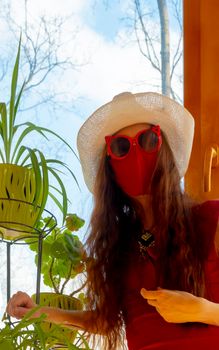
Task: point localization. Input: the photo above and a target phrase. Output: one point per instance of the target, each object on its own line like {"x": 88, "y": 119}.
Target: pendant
{"x": 145, "y": 241}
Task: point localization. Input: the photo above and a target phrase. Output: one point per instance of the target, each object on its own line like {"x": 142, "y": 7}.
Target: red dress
{"x": 145, "y": 328}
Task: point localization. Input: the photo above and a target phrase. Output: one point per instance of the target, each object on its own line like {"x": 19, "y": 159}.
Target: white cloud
{"x": 49, "y": 7}
{"x": 112, "y": 67}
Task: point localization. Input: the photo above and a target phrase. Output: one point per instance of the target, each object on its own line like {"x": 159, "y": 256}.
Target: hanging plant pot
{"x": 63, "y": 302}
{"x": 18, "y": 214}
{"x": 16, "y": 181}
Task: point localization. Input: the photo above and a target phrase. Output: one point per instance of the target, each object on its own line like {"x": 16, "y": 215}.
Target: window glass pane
{"x": 75, "y": 56}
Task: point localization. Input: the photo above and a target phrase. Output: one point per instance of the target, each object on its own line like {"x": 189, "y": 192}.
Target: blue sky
{"x": 105, "y": 18}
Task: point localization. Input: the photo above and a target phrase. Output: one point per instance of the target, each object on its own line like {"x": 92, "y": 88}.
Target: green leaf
{"x": 50, "y": 238}
{"x": 37, "y": 172}
{"x": 60, "y": 138}
{"x": 4, "y": 127}
{"x": 64, "y": 194}
{"x": 33, "y": 246}
{"x": 18, "y": 143}
{"x": 34, "y": 127}
{"x": 74, "y": 222}
{"x": 13, "y": 89}
{"x": 49, "y": 222}
{"x": 64, "y": 165}
{"x": 73, "y": 243}
{"x": 46, "y": 280}
{"x": 58, "y": 250}
{"x": 6, "y": 344}
{"x": 45, "y": 183}
{"x": 41, "y": 335}
{"x": 19, "y": 97}
{"x": 56, "y": 201}
{"x": 42, "y": 181}
{"x": 2, "y": 156}
{"x": 85, "y": 342}
{"x": 61, "y": 268}
{"x": 20, "y": 153}
{"x": 25, "y": 132}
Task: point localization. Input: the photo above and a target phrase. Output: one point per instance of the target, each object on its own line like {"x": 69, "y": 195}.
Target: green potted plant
{"x": 26, "y": 174}
{"x": 63, "y": 259}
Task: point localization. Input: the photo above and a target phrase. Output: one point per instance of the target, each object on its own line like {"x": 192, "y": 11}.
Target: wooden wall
{"x": 201, "y": 94}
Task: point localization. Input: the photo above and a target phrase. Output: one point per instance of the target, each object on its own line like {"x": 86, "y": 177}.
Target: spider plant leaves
{"x": 6, "y": 344}
{"x": 35, "y": 167}
{"x": 45, "y": 182}
{"x": 60, "y": 138}
{"x": 32, "y": 126}
{"x": 19, "y": 336}
{"x": 58, "y": 191}
{"x": 25, "y": 132}
{"x": 2, "y": 156}
{"x": 56, "y": 161}
{"x": 18, "y": 98}
{"x": 41, "y": 335}
{"x": 56, "y": 201}
{"x": 63, "y": 190}
{"x": 84, "y": 342}
{"x": 14, "y": 88}
{"x": 3, "y": 112}
{"x": 41, "y": 129}
{"x": 4, "y": 128}
{"x": 14, "y": 151}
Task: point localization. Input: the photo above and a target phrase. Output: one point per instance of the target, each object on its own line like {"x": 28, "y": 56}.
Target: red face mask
{"x": 133, "y": 159}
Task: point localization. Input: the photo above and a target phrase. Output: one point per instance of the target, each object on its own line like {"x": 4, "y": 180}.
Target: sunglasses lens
{"x": 120, "y": 146}
{"x": 148, "y": 140}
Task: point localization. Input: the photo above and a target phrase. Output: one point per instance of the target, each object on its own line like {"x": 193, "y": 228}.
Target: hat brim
{"x": 126, "y": 109}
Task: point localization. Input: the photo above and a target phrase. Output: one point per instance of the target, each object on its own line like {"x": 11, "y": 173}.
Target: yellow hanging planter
{"x": 17, "y": 192}
{"x": 63, "y": 302}
{"x": 17, "y": 183}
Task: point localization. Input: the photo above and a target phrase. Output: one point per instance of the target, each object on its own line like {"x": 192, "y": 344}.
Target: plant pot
{"x": 63, "y": 302}
{"x": 17, "y": 190}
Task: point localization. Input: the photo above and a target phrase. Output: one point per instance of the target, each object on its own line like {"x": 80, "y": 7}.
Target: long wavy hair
{"x": 115, "y": 221}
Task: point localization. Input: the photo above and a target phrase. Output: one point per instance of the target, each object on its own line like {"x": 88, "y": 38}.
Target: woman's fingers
{"x": 19, "y": 304}
{"x": 152, "y": 302}
{"x": 17, "y": 312}
{"x": 151, "y": 294}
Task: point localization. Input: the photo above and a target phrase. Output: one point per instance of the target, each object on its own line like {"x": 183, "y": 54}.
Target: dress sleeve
{"x": 208, "y": 215}
{"x": 206, "y": 223}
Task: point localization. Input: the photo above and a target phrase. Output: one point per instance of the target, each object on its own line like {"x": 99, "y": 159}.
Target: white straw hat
{"x": 127, "y": 109}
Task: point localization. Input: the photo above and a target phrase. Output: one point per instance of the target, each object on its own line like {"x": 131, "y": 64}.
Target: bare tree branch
{"x": 150, "y": 52}
{"x": 3, "y": 69}
{"x": 42, "y": 48}
{"x": 177, "y": 57}
{"x": 175, "y": 96}
{"x": 177, "y": 7}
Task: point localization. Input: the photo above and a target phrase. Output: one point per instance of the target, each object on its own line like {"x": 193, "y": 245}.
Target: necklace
{"x": 145, "y": 241}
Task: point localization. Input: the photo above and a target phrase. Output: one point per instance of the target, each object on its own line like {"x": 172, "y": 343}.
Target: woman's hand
{"x": 19, "y": 304}
{"x": 179, "y": 307}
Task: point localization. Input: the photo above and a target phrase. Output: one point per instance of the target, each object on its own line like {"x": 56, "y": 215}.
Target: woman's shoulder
{"x": 205, "y": 220}
{"x": 207, "y": 210}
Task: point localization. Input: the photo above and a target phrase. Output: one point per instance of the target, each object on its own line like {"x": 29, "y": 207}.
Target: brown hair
{"x": 116, "y": 219}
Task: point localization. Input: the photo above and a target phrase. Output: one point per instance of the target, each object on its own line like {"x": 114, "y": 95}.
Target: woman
{"x": 154, "y": 268}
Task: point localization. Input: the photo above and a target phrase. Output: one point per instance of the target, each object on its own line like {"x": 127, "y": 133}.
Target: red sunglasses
{"x": 149, "y": 140}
